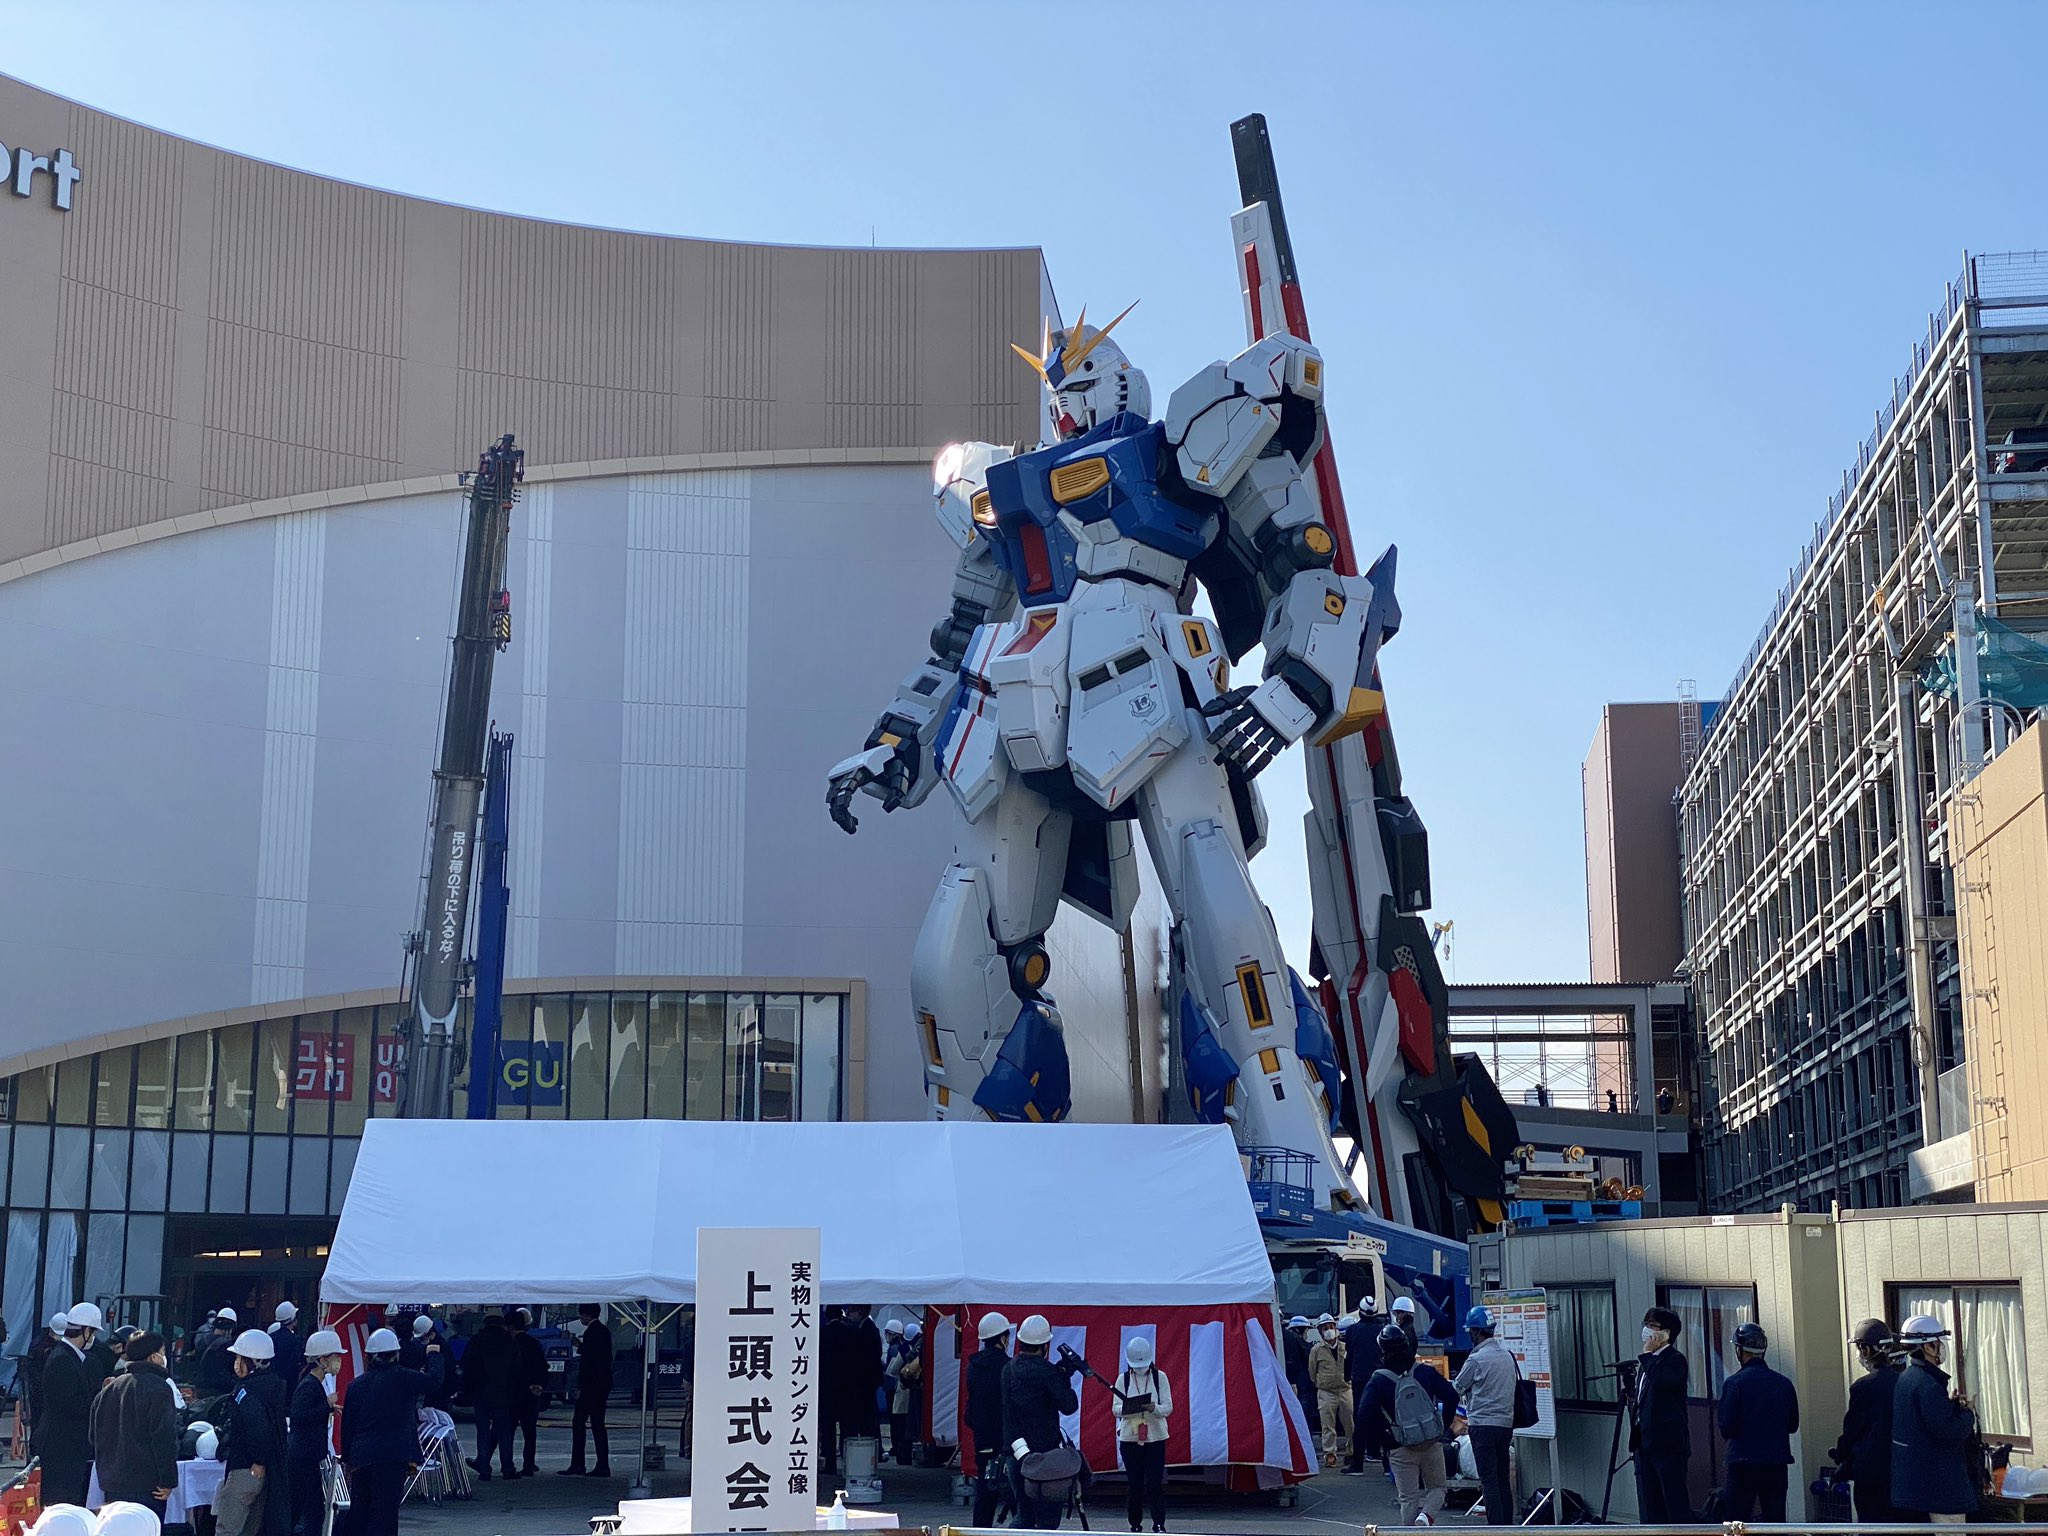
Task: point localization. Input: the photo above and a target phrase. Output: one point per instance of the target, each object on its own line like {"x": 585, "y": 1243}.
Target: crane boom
{"x": 483, "y": 628}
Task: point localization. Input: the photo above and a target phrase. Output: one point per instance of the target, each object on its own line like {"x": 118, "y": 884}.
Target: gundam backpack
{"x": 1416, "y": 1419}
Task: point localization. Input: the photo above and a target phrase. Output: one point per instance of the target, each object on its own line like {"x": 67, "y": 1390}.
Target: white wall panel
{"x": 290, "y": 741}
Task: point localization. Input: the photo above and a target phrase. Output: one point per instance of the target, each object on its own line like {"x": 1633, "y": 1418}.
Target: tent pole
{"x": 641, "y": 1487}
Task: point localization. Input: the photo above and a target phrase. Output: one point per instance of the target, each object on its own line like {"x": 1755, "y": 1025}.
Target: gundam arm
{"x": 895, "y": 764}
{"x": 1245, "y": 433}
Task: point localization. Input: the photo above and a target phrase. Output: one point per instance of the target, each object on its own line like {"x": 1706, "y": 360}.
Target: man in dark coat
{"x": 985, "y": 1416}
{"x": 307, "y": 1420}
{"x": 64, "y": 1423}
{"x": 863, "y": 1407}
{"x": 530, "y": 1375}
{"x": 253, "y": 1442}
{"x": 1036, "y": 1393}
{"x": 1662, "y": 1435}
{"x": 290, "y": 1359}
{"x": 380, "y": 1434}
{"x": 135, "y": 1428}
{"x": 1361, "y": 1359}
{"x": 835, "y": 1366}
{"x": 490, "y": 1372}
{"x": 1294, "y": 1342}
{"x": 1758, "y": 1415}
{"x": 1931, "y": 1429}
{"x": 217, "y": 1366}
{"x": 1864, "y": 1452}
{"x": 593, "y": 1386}
{"x": 29, "y": 1376}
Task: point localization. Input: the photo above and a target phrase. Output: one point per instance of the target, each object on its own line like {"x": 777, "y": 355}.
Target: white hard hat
{"x": 286, "y": 1312}
{"x": 122, "y": 1518}
{"x": 85, "y": 1315}
{"x": 913, "y": 1330}
{"x": 62, "y": 1520}
{"x": 207, "y": 1446}
{"x": 1923, "y": 1327}
{"x": 1325, "y": 1320}
{"x": 59, "y": 1321}
{"x": 1404, "y": 1304}
{"x": 1034, "y": 1330}
{"x": 1297, "y": 1321}
{"x": 382, "y": 1342}
{"x": 893, "y": 1326}
{"x": 325, "y": 1342}
{"x": 226, "y": 1315}
{"x": 422, "y": 1326}
{"x": 1138, "y": 1352}
{"x": 253, "y": 1344}
{"x": 993, "y": 1325}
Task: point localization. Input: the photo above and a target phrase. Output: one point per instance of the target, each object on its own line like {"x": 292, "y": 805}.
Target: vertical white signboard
{"x": 753, "y": 1449}
{"x": 1522, "y": 1322}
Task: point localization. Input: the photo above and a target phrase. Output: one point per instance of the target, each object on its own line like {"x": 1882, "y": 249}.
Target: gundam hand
{"x": 885, "y": 771}
{"x": 1251, "y": 726}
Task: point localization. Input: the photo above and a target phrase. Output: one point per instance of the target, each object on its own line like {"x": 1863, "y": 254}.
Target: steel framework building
{"x": 1820, "y": 910}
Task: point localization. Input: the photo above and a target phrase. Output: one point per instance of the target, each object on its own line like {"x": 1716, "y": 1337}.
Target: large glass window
{"x": 589, "y": 1035}
{"x": 551, "y": 1031}
{"x": 665, "y": 1056}
{"x": 313, "y": 1074}
{"x": 780, "y": 1015}
{"x": 154, "y": 1083}
{"x": 823, "y": 1018}
{"x": 1710, "y": 1314}
{"x": 110, "y": 1097}
{"x": 195, "y": 1081}
{"x": 1584, "y": 1344}
{"x": 274, "y": 1075}
{"x": 74, "y": 1091}
{"x": 629, "y": 1059}
{"x": 355, "y": 1066}
{"x": 109, "y": 1169}
{"x": 742, "y": 1056}
{"x": 32, "y": 1096}
{"x": 706, "y": 1055}
{"x": 1988, "y": 1346}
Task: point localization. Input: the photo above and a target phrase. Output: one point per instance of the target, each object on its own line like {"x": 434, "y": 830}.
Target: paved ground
{"x": 548, "y": 1505}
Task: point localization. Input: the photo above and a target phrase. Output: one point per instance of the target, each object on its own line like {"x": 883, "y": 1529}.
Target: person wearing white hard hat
{"x": 1144, "y": 1400}
{"x": 1333, "y": 1391}
{"x": 985, "y": 1416}
{"x": 64, "y": 1441}
{"x": 307, "y": 1422}
{"x": 135, "y": 1428}
{"x": 1403, "y": 1313}
{"x": 217, "y": 1356}
{"x": 380, "y": 1430}
{"x": 255, "y": 1497}
{"x": 1294, "y": 1344}
{"x": 902, "y": 1366}
{"x": 1931, "y": 1430}
{"x": 29, "y": 1377}
{"x": 289, "y": 1343}
{"x": 1037, "y": 1393}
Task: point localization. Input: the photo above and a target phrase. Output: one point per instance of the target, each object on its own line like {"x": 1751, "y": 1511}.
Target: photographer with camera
{"x": 1931, "y": 1429}
{"x": 1864, "y": 1453}
{"x": 1144, "y": 1401}
{"x": 985, "y": 1416}
{"x": 1036, "y": 1393}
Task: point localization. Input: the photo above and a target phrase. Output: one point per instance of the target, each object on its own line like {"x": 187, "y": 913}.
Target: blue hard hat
{"x": 1479, "y": 1317}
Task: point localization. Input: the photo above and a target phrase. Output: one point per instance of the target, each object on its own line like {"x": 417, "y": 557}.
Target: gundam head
{"x": 1088, "y": 375}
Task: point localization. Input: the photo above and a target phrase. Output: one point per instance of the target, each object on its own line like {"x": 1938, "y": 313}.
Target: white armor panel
{"x": 1101, "y": 551}
{"x": 959, "y": 475}
{"x": 1221, "y": 420}
{"x": 1126, "y": 701}
{"x": 1197, "y": 649}
{"x": 1027, "y": 666}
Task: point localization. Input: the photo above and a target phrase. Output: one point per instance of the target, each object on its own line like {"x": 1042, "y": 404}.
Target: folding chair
{"x": 440, "y": 1473}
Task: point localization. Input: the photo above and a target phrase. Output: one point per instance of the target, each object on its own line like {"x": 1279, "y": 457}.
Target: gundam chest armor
{"x": 1084, "y": 690}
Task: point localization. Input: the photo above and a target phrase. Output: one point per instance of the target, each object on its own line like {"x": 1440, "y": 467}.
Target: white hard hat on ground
{"x": 1405, "y": 1304}
{"x": 383, "y": 1342}
{"x": 324, "y": 1342}
{"x": 253, "y": 1344}
{"x": 286, "y": 1312}
{"x": 1138, "y": 1353}
{"x": 85, "y": 1315}
{"x": 422, "y": 1326}
{"x": 993, "y": 1325}
{"x": 1923, "y": 1327}
{"x": 1034, "y": 1330}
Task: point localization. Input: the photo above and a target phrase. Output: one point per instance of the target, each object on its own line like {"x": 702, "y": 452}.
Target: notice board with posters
{"x": 753, "y": 1445}
{"x": 1521, "y": 1320}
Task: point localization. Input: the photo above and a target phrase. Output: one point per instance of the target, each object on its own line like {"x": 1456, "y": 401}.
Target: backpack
{"x": 1051, "y": 1475}
{"x": 1416, "y": 1420}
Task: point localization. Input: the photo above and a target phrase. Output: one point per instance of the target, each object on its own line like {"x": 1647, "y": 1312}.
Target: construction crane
{"x": 483, "y": 628}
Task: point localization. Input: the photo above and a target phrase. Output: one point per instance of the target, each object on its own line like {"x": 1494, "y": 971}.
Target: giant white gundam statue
{"x": 1073, "y": 690}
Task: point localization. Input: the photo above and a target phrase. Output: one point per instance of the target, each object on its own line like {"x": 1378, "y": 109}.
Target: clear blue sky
{"x": 1609, "y": 292}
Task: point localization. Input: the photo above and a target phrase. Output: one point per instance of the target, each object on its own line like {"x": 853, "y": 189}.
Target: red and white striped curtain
{"x": 1232, "y": 1406}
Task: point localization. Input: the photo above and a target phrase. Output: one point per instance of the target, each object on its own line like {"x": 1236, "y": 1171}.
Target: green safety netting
{"x": 2012, "y": 668}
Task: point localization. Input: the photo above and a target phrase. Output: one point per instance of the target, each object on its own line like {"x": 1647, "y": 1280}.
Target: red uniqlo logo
{"x": 325, "y": 1068}
{"x": 384, "y": 1083}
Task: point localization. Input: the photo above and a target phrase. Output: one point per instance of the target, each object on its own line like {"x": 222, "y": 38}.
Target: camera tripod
{"x": 1624, "y": 1373}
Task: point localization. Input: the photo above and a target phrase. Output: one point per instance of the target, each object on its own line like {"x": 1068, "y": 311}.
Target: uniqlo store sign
{"x": 29, "y": 175}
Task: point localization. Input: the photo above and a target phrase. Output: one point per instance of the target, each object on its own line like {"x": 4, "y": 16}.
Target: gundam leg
{"x": 992, "y": 1041}
{"x": 1238, "y": 1006}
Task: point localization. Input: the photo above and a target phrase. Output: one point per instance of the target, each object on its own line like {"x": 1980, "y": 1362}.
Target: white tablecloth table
{"x": 198, "y": 1485}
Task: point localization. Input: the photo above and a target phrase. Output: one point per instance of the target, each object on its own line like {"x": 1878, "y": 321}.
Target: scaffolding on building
{"x": 1820, "y": 911}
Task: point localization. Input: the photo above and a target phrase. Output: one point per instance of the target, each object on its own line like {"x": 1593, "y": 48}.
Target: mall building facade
{"x": 235, "y": 402}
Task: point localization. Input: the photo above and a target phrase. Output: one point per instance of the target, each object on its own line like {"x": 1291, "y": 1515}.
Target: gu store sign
{"x": 21, "y": 168}
{"x": 753, "y": 1449}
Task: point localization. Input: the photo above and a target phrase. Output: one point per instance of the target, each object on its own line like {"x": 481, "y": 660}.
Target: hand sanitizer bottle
{"x": 836, "y": 1519}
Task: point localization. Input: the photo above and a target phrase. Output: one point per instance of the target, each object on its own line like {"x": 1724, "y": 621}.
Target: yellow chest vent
{"x": 1070, "y": 482}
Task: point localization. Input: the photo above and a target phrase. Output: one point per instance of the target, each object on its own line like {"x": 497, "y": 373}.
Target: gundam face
{"x": 1073, "y": 696}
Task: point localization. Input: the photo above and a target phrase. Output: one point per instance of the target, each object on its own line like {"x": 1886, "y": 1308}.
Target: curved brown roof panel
{"x": 200, "y": 330}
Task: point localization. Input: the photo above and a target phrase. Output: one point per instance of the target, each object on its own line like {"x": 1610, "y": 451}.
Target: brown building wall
{"x": 1633, "y": 925}
{"x": 202, "y": 330}
{"x": 1998, "y": 831}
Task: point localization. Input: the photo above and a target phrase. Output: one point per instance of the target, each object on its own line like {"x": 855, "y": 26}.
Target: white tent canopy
{"x": 560, "y": 1212}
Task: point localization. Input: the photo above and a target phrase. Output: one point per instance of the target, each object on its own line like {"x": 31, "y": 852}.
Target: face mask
{"x": 1651, "y": 1336}
{"x": 1329, "y": 1333}
{"x": 328, "y": 1384}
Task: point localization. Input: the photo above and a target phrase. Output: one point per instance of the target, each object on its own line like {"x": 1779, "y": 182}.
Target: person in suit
{"x": 593, "y": 1386}
{"x": 64, "y": 1419}
{"x": 1662, "y": 1433}
{"x": 1865, "y": 1449}
{"x": 490, "y": 1378}
{"x": 532, "y": 1377}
